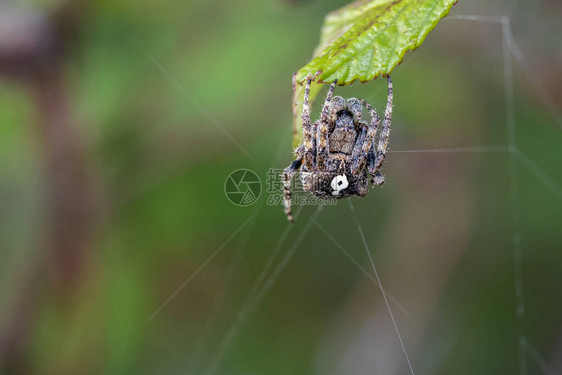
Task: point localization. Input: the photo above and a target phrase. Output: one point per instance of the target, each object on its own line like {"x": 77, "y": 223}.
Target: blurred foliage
{"x": 440, "y": 229}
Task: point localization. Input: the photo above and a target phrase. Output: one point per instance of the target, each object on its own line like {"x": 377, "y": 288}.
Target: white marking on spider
{"x": 338, "y": 184}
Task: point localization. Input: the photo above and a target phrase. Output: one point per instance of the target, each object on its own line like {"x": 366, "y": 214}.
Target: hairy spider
{"x": 338, "y": 152}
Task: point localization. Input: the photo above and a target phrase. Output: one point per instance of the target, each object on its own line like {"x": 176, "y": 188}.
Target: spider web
{"x": 277, "y": 262}
{"x": 525, "y": 348}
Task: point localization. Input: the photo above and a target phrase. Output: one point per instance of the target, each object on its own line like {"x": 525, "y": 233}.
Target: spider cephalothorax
{"x": 339, "y": 151}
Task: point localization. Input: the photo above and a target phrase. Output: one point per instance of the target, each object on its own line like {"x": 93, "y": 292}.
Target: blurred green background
{"x": 112, "y": 171}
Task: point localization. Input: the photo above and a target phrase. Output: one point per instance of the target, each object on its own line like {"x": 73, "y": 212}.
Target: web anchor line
{"x": 257, "y": 294}
{"x": 360, "y": 229}
{"x": 365, "y": 272}
{"x": 539, "y": 360}
{"x": 200, "y": 268}
{"x": 511, "y": 50}
{"x": 514, "y": 195}
{"x": 549, "y": 103}
{"x": 455, "y": 150}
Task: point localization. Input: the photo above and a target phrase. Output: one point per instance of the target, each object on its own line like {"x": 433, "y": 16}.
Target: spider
{"x": 338, "y": 153}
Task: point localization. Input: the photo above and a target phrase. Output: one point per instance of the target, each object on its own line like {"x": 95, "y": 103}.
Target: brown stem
{"x": 33, "y": 49}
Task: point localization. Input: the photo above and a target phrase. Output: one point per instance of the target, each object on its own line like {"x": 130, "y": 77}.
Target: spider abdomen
{"x": 342, "y": 140}
{"x": 333, "y": 185}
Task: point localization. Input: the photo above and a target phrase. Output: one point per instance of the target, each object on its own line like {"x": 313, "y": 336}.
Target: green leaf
{"x": 366, "y": 39}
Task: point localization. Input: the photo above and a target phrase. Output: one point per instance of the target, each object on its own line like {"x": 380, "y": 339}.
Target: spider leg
{"x": 364, "y": 142}
{"x": 375, "y": 167}
{"x": 287, "y": 176}
{"x": 315, "y": 139}
{"x": 307, "y": 128}
{"x": 360, "y": 143}
{"x": 377, "y": 177}
{"x": 322, "y": 133}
